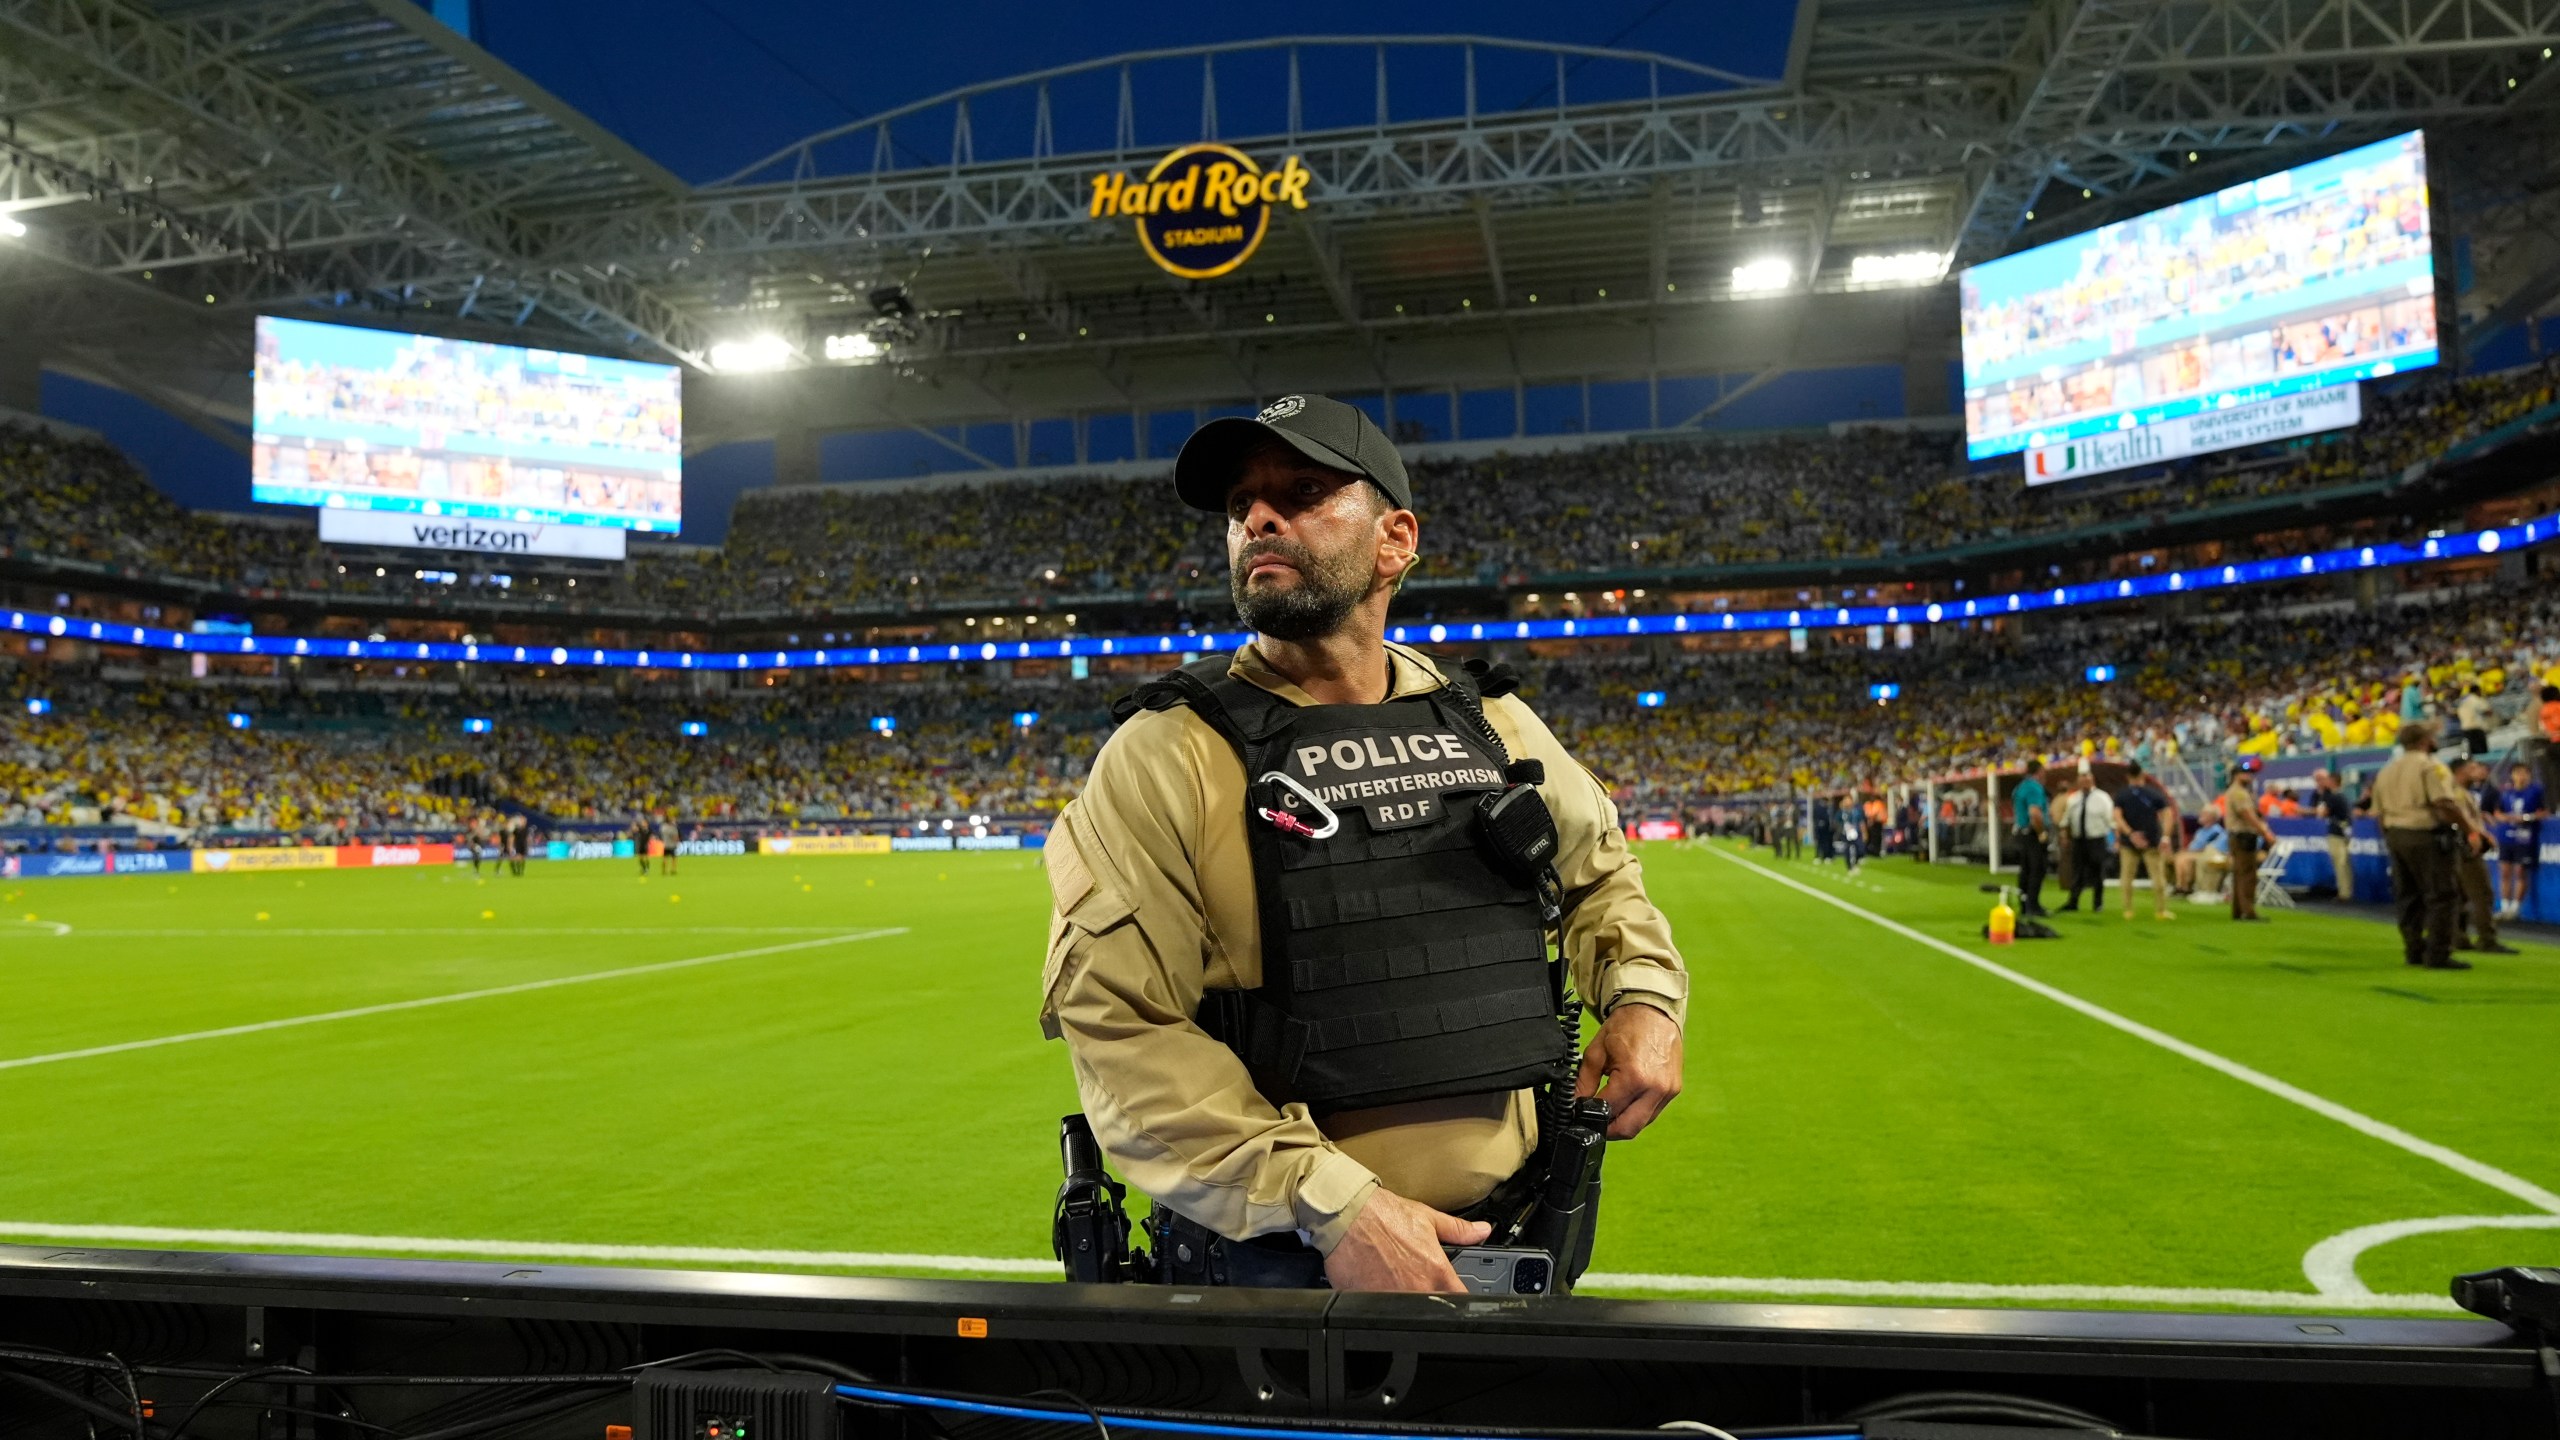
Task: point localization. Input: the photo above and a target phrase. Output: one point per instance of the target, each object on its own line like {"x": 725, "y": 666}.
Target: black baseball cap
{"x": 1317, "y": 426}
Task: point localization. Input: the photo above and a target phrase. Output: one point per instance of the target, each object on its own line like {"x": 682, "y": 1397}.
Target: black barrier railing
{"x": 323, "y": 1347}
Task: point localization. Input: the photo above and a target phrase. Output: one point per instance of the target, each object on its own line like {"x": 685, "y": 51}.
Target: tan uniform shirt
{"x": 2240, "y": 813}
{"x": 2403, "y": 793}
{"x": 1154, "y": 903}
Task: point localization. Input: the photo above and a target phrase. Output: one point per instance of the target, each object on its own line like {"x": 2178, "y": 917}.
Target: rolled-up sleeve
{"x": 1129, "y": 957}
{"x": 1618, "y": 944}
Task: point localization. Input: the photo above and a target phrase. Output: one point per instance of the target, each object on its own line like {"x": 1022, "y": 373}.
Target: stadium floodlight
{"x": 1650, "y": 699}
{"x": 1025, "y": 719}
{"x": 477, "y": 725}
{"x": 856, "y": 346}
{"x": 753, "y": 354}
{"x": 10, "y": 227}
{"x": 238, "y": 719}
{"x": 2098, "y": 674}
{"x": 693, "y": 729}
{"x": 1886, "y": 691}
{"x": 884, "y": 724}
{"x": 38, "y": 705}
{"x": 1763, "y": 276}
{"x": 1907, "y": 267}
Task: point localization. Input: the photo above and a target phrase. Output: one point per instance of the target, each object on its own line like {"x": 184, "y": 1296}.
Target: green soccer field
{"x": 833, "y": 1064}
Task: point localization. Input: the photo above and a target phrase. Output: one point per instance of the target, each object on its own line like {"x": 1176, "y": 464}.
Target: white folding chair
{"x": 2271, "y": 865}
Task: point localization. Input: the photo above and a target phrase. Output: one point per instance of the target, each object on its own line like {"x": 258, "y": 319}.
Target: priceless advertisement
{"x": 366, "y": 856}
{"x": 281, "y": 857}
{"x": 829, "y": 845}
{"x": 711, "y": 847}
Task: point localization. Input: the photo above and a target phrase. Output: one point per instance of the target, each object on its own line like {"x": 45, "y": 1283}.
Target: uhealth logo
{"x": 1204, "y": 209}
{"x": 2101, "y": 452}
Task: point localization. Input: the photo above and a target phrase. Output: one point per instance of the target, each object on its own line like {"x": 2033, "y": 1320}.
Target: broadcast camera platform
{"x": 227, "y": 1347}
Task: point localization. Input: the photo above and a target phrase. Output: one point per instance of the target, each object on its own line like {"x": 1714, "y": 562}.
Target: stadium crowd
{"x": 2260, "y": 678}
{"x": 1607, "y": 507}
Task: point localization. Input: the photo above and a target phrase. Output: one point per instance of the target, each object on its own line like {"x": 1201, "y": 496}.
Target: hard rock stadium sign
{"x": 1203, "y": 210}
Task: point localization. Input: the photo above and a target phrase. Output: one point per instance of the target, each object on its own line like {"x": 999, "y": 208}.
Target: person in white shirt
{"x": 2088, "y": 815}
{"x": 2476, "y": 716}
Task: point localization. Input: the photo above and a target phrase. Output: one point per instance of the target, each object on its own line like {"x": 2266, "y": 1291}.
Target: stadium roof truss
{"x": 356, "y": 157}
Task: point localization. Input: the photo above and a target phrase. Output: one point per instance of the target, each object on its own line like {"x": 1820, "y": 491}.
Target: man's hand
{"x": 1638, "y": 1052}
{"x": 1394, "y": 1244}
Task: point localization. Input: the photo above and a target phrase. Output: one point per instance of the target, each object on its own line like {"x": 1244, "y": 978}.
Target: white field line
{"x": 2489, "y": 1175}
{"x": 267, "y": 932}
{"x": 425, "y": 1001}
{"x": 2331, "y": 1265}
{"x": 1010, "y": 1265}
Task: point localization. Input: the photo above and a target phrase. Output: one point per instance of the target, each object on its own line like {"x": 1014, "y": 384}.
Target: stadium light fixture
{"x": 1906, "y": 267}
{"x": 2099, "y": 674}
{"x": 693, "y": 729}
{"x": 38, "y": 705}
{"x": 1025, "y": 719}
{"x": 10, "y": 226}
{"x": 855, "y": 347}
{"x": 1763, "y": 276}
{"x": 238, "y": 719}
{"x": 477, "y": 725}
{"x": 1650, "y": 699}
{"x": 1883, "y": 692}
{"x": 754, "y": 354}
{"x": 884, "y": 724}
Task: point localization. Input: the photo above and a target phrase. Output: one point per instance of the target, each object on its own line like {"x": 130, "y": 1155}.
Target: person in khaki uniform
{"x": 1153, "y": 879}
{"x": 2249, "y": 836}
{"x": 2413, "y": 801}
{"x": 2475, "y": 920}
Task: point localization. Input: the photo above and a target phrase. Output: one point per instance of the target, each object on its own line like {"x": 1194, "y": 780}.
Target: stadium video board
{"x": 415, "y": 440}
{"x": 2211, "y": 323}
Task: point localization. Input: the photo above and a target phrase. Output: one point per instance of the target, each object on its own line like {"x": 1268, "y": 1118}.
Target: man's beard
{"x": 1325, "y": 595}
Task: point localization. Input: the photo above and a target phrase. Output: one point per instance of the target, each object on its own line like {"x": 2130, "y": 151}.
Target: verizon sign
{"x": 2283, "y": 418}
{"x": 470, "y": 537}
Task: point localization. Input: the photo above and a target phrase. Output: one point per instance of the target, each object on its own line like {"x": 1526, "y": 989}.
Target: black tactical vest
{"x": 1397, "y": 963}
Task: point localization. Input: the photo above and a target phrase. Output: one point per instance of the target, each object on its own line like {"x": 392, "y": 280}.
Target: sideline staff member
{"x": 2249, "y": 835}
{"x": 1153, "y": 876}
{"x": 2413, "y": 801}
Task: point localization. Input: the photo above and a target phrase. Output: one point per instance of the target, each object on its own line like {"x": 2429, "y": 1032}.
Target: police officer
{"x": 1325, "y": 1119}
{"x": 2475, "y": 919}
{"x": 2421, "y": 821}
{"x": 2249, "y": 835}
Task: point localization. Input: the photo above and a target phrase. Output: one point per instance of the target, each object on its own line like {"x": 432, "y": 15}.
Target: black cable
{"x": 132, "y": 1392}
{"x": 187, "y": 1417}
{"x": 332, "y": 1416}
{"x": 67, "y": 1396}
{"x": 521, "y": 1415}
{"x": 1101, "y": 1430}
{"x": 1945, "y": 1404}
{"x": 675, "y": 1362}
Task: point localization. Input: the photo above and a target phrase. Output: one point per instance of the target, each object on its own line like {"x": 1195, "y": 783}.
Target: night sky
{"x": 707, "y": 87}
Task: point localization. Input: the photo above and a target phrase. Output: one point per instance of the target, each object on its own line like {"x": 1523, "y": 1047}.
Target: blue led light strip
{"x": 1119, "y": 1421}
{"x": 2522, "y": 535}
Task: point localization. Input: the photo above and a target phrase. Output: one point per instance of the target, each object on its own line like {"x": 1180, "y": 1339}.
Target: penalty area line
{"x": 423, "y": 1002}
{"x": 2389, "y": 1134}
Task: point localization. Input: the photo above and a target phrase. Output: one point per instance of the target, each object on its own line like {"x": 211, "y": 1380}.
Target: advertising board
{"x": 828, "y": 845}
{"x": 368, "y": 856}
{"x": 279, "y": 857}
